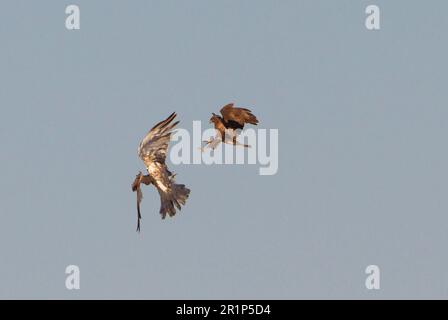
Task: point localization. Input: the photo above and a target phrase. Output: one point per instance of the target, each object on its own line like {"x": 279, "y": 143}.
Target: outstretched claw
{"x": 212, "y": 143}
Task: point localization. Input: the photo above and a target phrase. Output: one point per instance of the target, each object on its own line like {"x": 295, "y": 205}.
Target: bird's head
{"x": 215, "y": 118}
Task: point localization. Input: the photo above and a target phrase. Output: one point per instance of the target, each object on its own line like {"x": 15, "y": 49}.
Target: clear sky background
{"x": 362, "y": 119}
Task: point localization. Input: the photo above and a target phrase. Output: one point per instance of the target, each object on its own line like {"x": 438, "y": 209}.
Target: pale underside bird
{"x": 226, "y": 126}
{"x": 152, "y": 150}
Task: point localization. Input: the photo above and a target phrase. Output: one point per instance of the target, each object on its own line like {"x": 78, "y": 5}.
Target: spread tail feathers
{"x": 176, "y": 197}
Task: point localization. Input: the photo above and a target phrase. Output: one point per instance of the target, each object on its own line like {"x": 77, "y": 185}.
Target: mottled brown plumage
{"x": 152, "y": 150}
{"x": 232, "y": 119}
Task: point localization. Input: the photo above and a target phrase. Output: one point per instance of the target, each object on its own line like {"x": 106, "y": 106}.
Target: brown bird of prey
{"x": 232, "y": 119}
{"x": 152, "y": 150}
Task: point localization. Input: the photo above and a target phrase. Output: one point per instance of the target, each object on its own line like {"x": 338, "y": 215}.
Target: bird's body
{"x": 231, "y": 120}
{"x": 152, "y": 150}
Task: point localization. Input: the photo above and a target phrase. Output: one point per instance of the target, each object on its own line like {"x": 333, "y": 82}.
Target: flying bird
{"x": 152, "y": 150}
{"x": 232, "y": 119}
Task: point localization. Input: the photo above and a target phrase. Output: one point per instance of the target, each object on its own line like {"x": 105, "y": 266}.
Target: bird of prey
{"x": 232, "y": 119}
{"x": 152, "y": 150}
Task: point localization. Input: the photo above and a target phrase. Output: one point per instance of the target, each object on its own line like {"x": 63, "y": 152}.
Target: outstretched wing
{"x": 235, "y": 118}
{"x": 155, "y": 144}
{"x": 152, "y": 151}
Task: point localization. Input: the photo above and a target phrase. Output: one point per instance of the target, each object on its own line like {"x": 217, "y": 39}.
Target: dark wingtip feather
{"x": 169, "y": 119}
{"x": 165, "y": 122}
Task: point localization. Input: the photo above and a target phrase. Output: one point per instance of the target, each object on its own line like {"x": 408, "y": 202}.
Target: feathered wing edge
{"x": 165, "y": 122}
{"x": 249, "y": 117}
{"x": 238, "y": 115}
{"x": 160, "y": 131}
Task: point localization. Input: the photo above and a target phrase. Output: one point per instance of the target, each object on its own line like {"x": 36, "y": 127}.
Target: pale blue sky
{"x": 362, "y": 119}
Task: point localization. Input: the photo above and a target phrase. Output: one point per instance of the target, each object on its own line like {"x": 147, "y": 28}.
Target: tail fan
{"x": 173, "y": 199}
